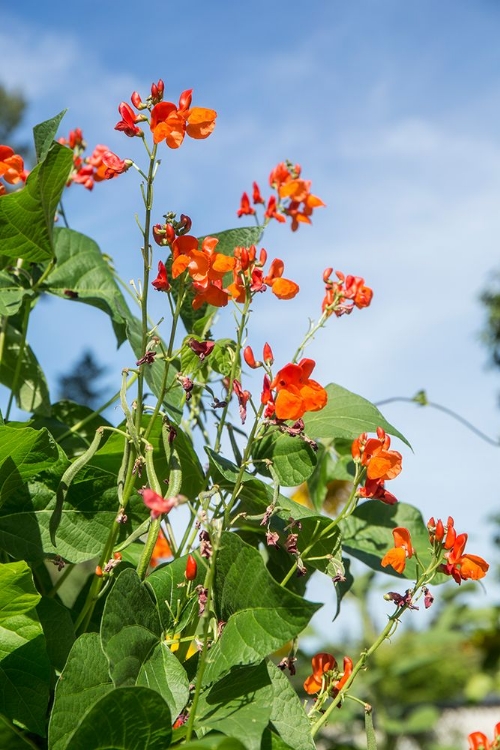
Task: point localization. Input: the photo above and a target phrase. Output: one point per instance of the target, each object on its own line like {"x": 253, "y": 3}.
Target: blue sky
{"x": 393, "y": 110}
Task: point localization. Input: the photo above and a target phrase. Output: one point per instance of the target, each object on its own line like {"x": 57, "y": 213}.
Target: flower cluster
{"x": 343, "y": 295}
{"x": 11, "y": 168}
{"x": 381, "y": 464}
{"x": 168, "y": 122}
{"x": 479, "y": 741}
{"x": 326, "y": 675}
{"x": 294, "y": 392}
{"x": 102, "y": 164}
{"x": 249, "y": 277}
{"x": 293, "y": 197}
{"x": 447, "y": 548}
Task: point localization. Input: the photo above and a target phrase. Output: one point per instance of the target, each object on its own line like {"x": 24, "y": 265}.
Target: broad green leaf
{"x": 83, "y": 270}
{"x": 12, "y": 293}
{"x": 261, "y": 615}
{"x": 215, "y": 741}
{"x": 239, "y": 705}
{"x": 24, "y": 665}
{"x": 129, "y": 718}
{"x": 89, "y": 510}
{"x": 27, "y": 216}
{"x": 220, "y": 359}
{"x": 292, "y": 459}
{"x": 164, "y": 673}
{"x": 367, "y": 535}
{"x": 287, "y": 712}
{"x": 30, "y": 388}
{"x": 130, "y": 628}
{"x": 346, "y": 415}
{"x": 58, "y": 629}
{"x": 171, "y": 596}
{"x": 44, "y": 134}
{"x": 64, "y": 415}
{"x": 11, "y": 739}
{"x": 272, "y": 741}
{"x": 83, "y": 682}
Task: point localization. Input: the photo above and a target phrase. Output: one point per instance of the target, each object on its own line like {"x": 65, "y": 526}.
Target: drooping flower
{"x": 296, "y": 392}
{"x": 128, "y": 123}
{"x": 170, "y": 123}
{"x": 243, "y": 399}
{"x": 107, "y": 164}
{"x": 401, "y": 552}
{"x": 161, "y": 283}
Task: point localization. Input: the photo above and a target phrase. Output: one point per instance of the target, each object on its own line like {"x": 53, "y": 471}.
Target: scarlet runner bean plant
{"x": 182, "y": 557}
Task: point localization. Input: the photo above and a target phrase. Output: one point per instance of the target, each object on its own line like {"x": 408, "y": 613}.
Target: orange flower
{"x": 296, "y": 392}
{"x": 402, "y": 550}
{"x": 11, "y": 166}
{"x": 245, "y": 208}
{"x": 463, "y": 567}
{"x": 206, "y": 267}
{"x": 170, "y": 123}
{"x": 342, "y": 296}
{"x": 382, "y": 464}
{"x": 282, "y": 288}
{"x": 322, "y": 663}
{"x": 161, "y": 550}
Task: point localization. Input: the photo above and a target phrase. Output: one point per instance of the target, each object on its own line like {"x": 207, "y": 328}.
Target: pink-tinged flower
{"x": 157, "y": 504}
{"x": 243, "y": 398}
{"x": 107, "y": 164}
{"x": 128, "y": 123}
{"x": 161, "y": 283}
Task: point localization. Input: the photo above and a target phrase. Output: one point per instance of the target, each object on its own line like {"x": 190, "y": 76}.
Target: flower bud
{"x": 249, "y": 358}
{"x": 267, "y": 354}
{"x": 326, "y": 274}
{"x": 185, "y": 224}
{"x": 136, "y": 100}
{"x": 191, "y": 568}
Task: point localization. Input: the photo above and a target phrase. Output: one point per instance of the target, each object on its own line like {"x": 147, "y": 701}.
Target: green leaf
{"x": 367, "y": 535}
{"x": 58, "y": 630}
{"x": 24, "y": 665}
{"x": 81, "y": 268}
{"x": 293, "y": 460}
{"x": 11, "y": 739}
{"x": 170, "y": 595}
{"x": 83, "y": 682}
{"x": 215, "y": 741}
{"x": 261, "y": 615}
{"x": 45, "y": 133}
{"x": 89, "y": 510}
{"x": 130, "y": 628}
{"x": 12, "y": 294}
{"x": 129, "y": 718}
{"x": 164, "y": 673}
{"x": 30, "y": 388}
{"x": 239, "y": 705}
{"x": 27, "y": 216}
{"x": 287, "y": 713}
{"x": 346, "y": 415}
{"x": 64, "y": 415}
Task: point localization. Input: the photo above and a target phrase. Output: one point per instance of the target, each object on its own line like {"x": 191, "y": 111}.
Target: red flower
{"x": 243, "y": 398}
{"x": 463, "y": 567}
{"x": 129, "y": 119}
{"x": 272, "y": 212}
{"x": 296, "y": 392}
{"x": 170, "y": 123}
{"x": 245, "y": 208}
{"x": 161, "y": 283}
{"x": 322, "y": 663}
{"x": 191, "y": 568}
{"x": 479, "y": 741}
{"x": 402, "y": 550}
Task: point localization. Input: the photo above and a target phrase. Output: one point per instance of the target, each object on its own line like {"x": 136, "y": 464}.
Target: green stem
{"x": 310, "y": 335}
{"x": 19, "y": 363}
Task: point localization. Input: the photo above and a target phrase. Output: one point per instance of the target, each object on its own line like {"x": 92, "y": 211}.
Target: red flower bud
{"x": 191, "y": 568}
{"x": 267, "y": 354}
{"x": 326, "y": 274}
{"x": 136, "y": 100}
{"x": 249, "y": 358}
